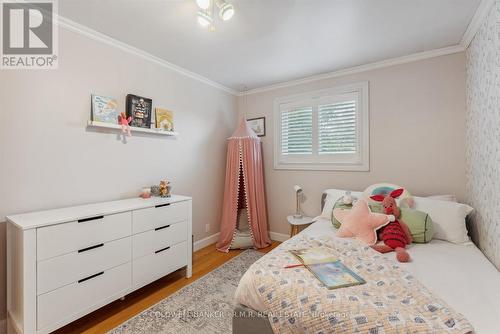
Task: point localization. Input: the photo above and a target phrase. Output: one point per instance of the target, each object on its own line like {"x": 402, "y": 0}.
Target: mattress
{"x": 459, "y": 274}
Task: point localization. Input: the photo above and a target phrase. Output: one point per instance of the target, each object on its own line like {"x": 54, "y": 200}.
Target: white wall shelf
{"x": 102, "y": 125}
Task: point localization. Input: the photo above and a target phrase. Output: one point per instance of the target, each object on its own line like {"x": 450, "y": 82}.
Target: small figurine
{"x": 145, "y": 193}
{"x": 165, "y": 188}
{"x": 155, "y": 191}
{"x": 124, "y": 122}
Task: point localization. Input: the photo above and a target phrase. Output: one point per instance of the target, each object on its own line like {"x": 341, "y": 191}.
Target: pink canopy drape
{"x": 244, "y": 159}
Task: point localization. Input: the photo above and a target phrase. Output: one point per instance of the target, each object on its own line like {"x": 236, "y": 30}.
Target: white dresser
{"x": 65, "y": 263}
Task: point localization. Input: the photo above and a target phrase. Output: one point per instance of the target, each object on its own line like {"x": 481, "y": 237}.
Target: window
{"x": 323, "y": 130}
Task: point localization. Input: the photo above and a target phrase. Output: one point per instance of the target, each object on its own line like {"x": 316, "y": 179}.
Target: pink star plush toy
{"x": 360, "y": 222}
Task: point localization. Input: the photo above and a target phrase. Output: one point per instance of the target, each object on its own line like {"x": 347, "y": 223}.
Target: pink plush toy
{"x": 360, "y": 222}
{"x": 395, "y": 235}
{"x": 124, "y": 122}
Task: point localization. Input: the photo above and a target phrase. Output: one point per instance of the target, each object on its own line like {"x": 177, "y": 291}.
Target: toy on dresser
{"x": 165, "y": 188}
{"x": 395, "y": 235}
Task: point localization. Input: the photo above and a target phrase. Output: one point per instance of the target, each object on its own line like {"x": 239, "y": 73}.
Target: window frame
{"x": 334, "y": 162}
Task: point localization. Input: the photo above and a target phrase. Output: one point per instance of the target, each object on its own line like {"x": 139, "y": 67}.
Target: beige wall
{"x": 49, "y": 159}
{"x": 417, "y": 136}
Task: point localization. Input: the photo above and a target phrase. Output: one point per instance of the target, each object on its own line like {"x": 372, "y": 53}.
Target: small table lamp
{"x": 298, "y": 192}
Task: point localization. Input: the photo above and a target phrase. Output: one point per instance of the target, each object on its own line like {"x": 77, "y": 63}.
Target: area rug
{"x": 204, "y": 306}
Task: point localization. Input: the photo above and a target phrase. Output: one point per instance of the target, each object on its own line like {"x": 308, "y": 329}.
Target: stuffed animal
{"x": 395, "y": 235}
{"x": 360, "y": 222}
{"x": 124, "y": 122}
{"x": 164, "y": 188}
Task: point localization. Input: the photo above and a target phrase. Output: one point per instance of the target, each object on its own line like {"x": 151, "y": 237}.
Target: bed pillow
{"x": 420, "y": 223}
{"x": 332, "y": 197}
{"x": 449, "y": 198}
{"x": 405, "y": 200}
{"x": 360, "y": 223}
{"x": 448, "y": 218}
{"x": 339, "y": 205}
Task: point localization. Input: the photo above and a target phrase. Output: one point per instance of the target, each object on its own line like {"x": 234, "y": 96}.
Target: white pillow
{"x": 449, "y": 198}
{"x": 448, "y": 218}
{"x": 332, "y": 196}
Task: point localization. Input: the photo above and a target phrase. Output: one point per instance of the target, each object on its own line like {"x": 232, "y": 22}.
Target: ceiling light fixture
{"x": 203, "y": 4}
{"x": 207, "y": 9}
{"x": 226, "y": 10}
{"x": 204, "y": 18}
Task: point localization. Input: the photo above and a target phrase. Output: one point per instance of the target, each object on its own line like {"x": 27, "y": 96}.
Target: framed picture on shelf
{"x": 164, "y": 119}
{"x": 139, "y": 108}
{"x": 104, "y": 109}
{"x": 258, "y": 125}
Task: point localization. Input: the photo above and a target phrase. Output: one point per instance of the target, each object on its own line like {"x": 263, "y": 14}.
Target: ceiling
{"x": 274, "y": 41}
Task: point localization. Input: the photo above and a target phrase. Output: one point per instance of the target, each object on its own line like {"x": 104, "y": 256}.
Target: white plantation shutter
{"x": 323, "y": 130}
{"x": 337, "y": 128}
{"x": 296, "y": 131}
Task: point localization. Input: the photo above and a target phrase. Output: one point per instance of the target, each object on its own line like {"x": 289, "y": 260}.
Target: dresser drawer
{"x": 58, "y": 271}
{"x": 151, "y": 267}
{"x": 161, "y": 215}
{"x": 65, "y": 238}
{"x": 148, "y": 242}
{"x": 70, "y": 300}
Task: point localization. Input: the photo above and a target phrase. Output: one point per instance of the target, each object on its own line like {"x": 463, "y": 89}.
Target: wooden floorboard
{"x": 108, "y": 317}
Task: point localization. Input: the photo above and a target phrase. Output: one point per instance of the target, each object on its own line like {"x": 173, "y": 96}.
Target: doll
{"x": 124, "y": 122}
{"x": 395, "y": 235}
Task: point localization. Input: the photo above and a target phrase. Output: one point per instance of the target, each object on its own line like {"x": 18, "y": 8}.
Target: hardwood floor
{"x": 112, "y": 315}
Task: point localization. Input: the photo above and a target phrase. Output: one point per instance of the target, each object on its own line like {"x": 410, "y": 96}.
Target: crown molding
{"x": 362, "y": 68}
{"x": 473, "y": 27}
{"x": 95, "y": 35}
{"x": 475, "y": 24}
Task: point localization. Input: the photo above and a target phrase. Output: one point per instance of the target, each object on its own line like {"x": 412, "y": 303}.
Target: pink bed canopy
{"x": 244, "y": 176}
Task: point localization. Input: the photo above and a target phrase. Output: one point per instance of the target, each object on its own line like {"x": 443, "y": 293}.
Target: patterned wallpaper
{"x": 483, "y": 135}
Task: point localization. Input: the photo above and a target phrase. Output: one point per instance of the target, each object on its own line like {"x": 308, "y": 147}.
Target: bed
{"x": 459, "y": 274}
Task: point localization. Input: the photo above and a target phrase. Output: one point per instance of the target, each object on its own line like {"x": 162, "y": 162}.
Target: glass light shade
{"x": 203, "y": 4}
{"x": 226, "y": 11}
{"x": 204, "y": 19}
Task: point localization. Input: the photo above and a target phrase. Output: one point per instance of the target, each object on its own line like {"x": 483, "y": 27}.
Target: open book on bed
{"x": 327, "y": 268}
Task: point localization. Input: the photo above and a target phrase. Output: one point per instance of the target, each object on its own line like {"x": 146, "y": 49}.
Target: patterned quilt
{"x": 392, "y": 300}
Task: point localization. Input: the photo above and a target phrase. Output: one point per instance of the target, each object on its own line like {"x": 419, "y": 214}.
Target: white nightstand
{"x": 296, "y": 224}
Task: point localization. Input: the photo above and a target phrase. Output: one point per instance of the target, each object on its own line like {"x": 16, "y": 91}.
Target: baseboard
{"x": 205, "y": 241}
{"x": 279, "y": 236}
{"x": 214, "y": 237}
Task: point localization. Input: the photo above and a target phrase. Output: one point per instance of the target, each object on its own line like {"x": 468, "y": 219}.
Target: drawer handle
{"x": 89, "y": 219}
{"x": 89, "y": 248}
{"x": 90, "y": 277}
{"x": 162, "y": 205}
{"x": 161, "y": 250}
{"x": 161, "y": 228}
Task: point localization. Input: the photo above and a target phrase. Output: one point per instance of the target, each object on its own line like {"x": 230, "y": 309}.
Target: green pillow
{"x": 419, "y": 223}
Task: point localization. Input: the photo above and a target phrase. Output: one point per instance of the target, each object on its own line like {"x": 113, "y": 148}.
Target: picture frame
{"x": 164, "y": 119}
{"x": 139, "y": 108}
{"x": 258, "y": 125}
{"x": 104, "y": 109}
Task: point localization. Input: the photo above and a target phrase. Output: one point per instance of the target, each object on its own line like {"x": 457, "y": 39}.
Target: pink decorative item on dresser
{"x": 244, "y": 163}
